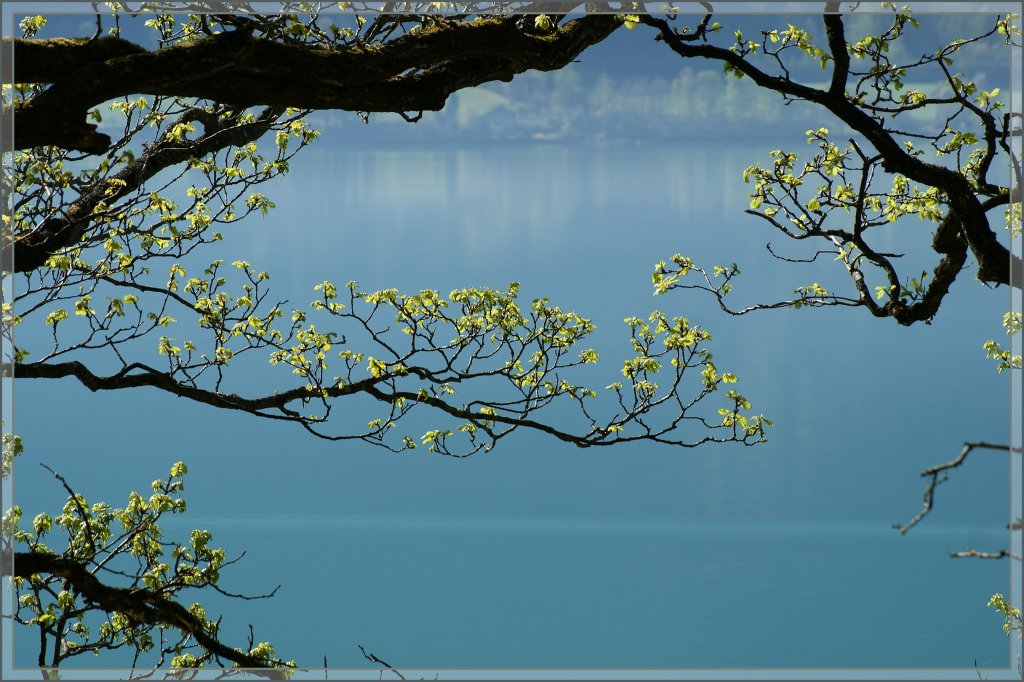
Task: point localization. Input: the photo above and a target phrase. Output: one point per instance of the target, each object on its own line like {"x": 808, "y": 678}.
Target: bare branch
{"x": 373, "y": 659}
{"x": 971, "y": 553}
{"x": 938, "y": 474}
{"x": 82, "y": 514}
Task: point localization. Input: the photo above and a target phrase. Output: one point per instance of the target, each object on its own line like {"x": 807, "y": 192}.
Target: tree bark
{"x": 415, "y": 72}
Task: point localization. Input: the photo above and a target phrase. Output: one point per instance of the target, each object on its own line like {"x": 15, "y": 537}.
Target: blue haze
{"x": 540, "y": 555}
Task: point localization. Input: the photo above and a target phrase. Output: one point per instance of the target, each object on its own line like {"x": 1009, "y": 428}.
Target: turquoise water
{"x": 539, "y": 556}
{"x": 480, "y": 593}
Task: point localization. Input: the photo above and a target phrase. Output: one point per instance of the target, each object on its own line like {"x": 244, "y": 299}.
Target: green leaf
{"x": 376, "y": 367}
{"x": 57, "y": 316}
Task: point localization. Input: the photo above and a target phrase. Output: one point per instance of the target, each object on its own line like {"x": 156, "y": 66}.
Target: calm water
{"x": 435, "y": 593}
{"x": 541, "y": 556}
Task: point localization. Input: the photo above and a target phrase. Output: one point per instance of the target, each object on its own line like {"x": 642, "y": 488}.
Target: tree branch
{"x": 264, "y": 406}
{"x": 995, "y": 263}
{"x": 47, "y": 61}
{"x": 33, "y": 248}
{"x": 140, "y": 605}
{"x": 837, "y": 45}
{"x": 938, "y": 474}
{"x": 413, "y": 72}
{"x": 154, "y": 378}
{"x": 372, "y": 658}
{"x": 972, "y": 553}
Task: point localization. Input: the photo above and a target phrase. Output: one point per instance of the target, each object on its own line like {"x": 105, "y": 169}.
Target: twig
{"x": 971, "y": 553}
{"x": 938, "y": 470}
{"x": 373, "y": 659}
{"x": 78, "y": 506}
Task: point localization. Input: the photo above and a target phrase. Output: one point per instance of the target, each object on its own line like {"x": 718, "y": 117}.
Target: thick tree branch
{"x": 46, "y": 61}
{"x": 837, "y": 44}
{"x": 140, "y": 605}
{"x": 948, "y": 242}
{"x": 410, "y": 73}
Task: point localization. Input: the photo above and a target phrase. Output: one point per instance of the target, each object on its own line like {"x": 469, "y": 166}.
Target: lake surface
{"x": 541, "y": 556}
{"x": 482, "y": 593}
